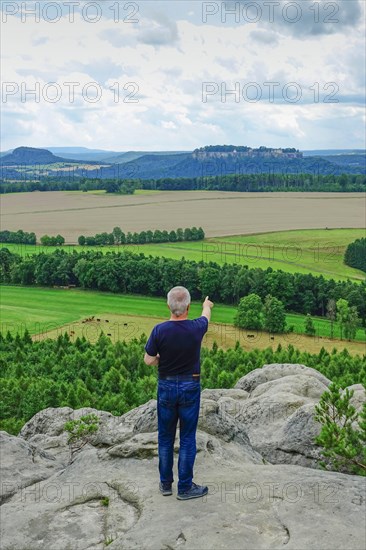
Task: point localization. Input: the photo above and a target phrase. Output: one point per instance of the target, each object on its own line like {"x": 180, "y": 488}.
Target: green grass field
{"x": 44, "y": 309}
{"x": 316, "y": 251}
{"x": 35, "y": 306}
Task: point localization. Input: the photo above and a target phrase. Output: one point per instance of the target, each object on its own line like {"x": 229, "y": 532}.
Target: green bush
{"x": 343, "y": 445}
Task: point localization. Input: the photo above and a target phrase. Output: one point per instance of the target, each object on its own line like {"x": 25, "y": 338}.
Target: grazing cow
{"x": 125, "y": 325}
{"x": 98, "y": 320}
{"x": 272, "y": 337}
{"x": 106, "y": 321}
{"x": 250, "y": 335}
{"x": 109, "y": 334}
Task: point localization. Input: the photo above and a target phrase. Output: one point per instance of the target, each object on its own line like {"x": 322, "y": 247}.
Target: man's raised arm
{"x": 206, "y": 308}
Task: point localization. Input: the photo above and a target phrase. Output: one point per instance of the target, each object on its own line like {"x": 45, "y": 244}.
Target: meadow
{"x": 222, "y": 214}
{"x": 49, "y": 312}
{"x": 316, "y": 251}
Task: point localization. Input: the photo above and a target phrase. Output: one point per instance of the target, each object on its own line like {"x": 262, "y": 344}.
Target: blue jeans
{"x": 178, "y": 399}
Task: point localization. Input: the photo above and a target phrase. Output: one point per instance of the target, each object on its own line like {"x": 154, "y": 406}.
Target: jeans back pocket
{"x": 190, "y": 393}
{"x": 166, "y": 394}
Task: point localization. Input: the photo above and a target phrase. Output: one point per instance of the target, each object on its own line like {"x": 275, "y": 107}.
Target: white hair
{"x": 179, "y": 299}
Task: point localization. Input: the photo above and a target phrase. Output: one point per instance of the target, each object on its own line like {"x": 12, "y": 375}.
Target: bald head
{"x": 178, "y": 300}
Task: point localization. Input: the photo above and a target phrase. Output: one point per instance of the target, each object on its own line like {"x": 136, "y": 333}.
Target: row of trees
{"x": 253, "y": 314}
{"x": 118, "y": 237}
{"x": 17, "y": 237}
{"x": 129, "y": 273}
{"x": 355, "y": 254}
{"x": 114, "y": 377}
{"x": 248, "y": 182}
{"x": 262, "y": 182}
{"x": 22, "y": 237}
{"x": 48, "y": 240}
{"x": 268, "y": 181}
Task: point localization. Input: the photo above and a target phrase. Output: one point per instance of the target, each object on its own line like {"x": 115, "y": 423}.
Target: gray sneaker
{"x": 165, "y": 488}
{"x": 196, "y": 491}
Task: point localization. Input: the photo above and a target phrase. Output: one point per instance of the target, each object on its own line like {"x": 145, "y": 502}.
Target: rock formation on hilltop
{"x": 255, "y": 452}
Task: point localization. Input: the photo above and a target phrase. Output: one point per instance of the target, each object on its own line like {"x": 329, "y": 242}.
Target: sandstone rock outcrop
{"x": 255, "y": 452}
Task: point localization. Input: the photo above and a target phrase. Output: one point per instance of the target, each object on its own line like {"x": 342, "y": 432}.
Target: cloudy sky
{"x": 176, "y": 75}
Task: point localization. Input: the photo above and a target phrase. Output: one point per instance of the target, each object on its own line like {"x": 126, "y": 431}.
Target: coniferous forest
{"x": 113, "y": 377}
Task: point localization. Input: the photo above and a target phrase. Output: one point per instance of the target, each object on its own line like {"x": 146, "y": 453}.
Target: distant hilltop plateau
{"x": 225, "y": 151}
{"x": 211, "y": 160}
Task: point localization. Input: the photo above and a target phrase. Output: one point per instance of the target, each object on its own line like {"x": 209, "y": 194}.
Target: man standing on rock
{"x": 174, "y": 346}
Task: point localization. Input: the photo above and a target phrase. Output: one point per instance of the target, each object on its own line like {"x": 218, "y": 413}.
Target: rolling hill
{"x": 207, "y": 161}
{"x": 30, "y": 156}
{"x": 187, "y": 165}
{"x": 82, "y": 153}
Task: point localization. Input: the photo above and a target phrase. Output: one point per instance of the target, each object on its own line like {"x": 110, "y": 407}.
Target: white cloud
{"x": 163, "y": 60}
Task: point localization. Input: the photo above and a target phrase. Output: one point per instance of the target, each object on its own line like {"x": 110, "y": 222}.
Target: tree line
{"x": 355, "y": 254}
{"x": 22, "y": 237}
{"x": 261, "y": 182}
{"x": 257, "y": 182}
{"x": 128, "y": 273}
{"x": 113, "y": 377}
{"x": 118, "y": 237}
{"x": 17, "y": 237}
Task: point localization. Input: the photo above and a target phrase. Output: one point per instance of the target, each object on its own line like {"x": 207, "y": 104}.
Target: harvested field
{"x": 126, "y": 327}
{"x": 219, "y": 213}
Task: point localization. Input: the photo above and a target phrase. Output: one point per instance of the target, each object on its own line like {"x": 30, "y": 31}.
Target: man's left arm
{"x": 151, "y": 360}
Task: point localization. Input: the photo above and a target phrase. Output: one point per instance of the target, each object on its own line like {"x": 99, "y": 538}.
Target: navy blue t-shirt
{"x": 179, "y": 345}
